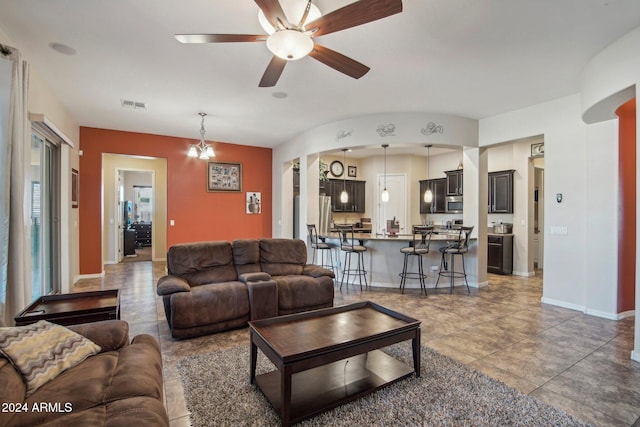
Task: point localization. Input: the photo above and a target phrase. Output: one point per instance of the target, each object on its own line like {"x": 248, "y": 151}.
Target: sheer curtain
{"x": 15, "y": 277}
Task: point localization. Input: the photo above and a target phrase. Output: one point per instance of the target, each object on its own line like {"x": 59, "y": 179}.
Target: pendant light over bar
{"x": 428, "y": 195}
{"x": 384, "y": 197}
{"x": 344, "y": 197}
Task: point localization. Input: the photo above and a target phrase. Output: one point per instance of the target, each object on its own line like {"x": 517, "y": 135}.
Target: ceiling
{"x": 473, "y": 58}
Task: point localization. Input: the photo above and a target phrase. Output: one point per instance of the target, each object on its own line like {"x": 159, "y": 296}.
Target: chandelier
{"x": 428, "y": 194}
{"x": 201, "y": 150}
{"x": 384, "y": 197}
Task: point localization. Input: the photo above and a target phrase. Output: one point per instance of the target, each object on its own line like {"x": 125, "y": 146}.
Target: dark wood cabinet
{"x": 143, "y": 234}
{"x": 355, "y": 190}
{"x": 454, "y": 182}
{"x": 501, "y": 192}
{"x": 439, "y": 189}
{"x": 500, "y": 254}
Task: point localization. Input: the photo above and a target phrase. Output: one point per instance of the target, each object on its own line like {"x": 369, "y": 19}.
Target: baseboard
{"x": 89, "y": 276}
{"x": 562, "y": 304}
{"x": 626, "y": 314}
{"x": 603, "y": 314}
{"x": 524, "y": 273}
{"x": 635, "y": 355}
{"x": 159, "y": 259}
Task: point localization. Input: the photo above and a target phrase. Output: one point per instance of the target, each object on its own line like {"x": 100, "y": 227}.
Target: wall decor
{"x": 254, "y": 202}
{"x": 343, "y": 134}
{"x": 336, "y": 168}
{"x": 224, "y": 177}
{"x": 352, "y": 171}
{"x": 386, "y": 130}
{"x": 75, "y": 188}
{"x": 432, "y": 128}
{"x": 537, "y": 150}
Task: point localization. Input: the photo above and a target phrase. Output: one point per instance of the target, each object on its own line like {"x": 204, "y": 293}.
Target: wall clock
{"x": 336, "y": 168}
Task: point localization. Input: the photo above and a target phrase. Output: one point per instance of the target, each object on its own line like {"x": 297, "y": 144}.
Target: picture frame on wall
{"x": 352, "y": 171}
{"x": 537, "y": 150}
{"x": 224, "y": 177}
{"x": 254, "y": 202}
{"x": 75, "y": 188}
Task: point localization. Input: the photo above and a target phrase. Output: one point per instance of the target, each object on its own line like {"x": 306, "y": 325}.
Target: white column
{"x": 475, "y": 212}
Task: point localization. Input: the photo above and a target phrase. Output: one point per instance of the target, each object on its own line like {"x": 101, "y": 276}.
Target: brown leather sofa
{"x": 121, "y": 385}
{"x": 215, "y": 286}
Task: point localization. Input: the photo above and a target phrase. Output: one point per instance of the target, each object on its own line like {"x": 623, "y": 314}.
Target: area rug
{"x": 218, "y": 393}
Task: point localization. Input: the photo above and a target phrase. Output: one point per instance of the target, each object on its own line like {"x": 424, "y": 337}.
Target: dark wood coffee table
{"x": 325, "y": 358}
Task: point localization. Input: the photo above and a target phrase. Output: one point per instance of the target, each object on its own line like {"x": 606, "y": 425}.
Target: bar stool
{"x": 453, "y": 248}
{"x": 349, "y": 247}
{"x": 418, "y": 247}
{"x": 320, "y": 245}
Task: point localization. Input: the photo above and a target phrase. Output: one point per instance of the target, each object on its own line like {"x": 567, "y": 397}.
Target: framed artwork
{"x": 537, "y": 150}
{"x": 75, "y": 188}
{"x": 254, "y": 202}
{"x": 352, "y": 171}
{"x": 224, "y": 177}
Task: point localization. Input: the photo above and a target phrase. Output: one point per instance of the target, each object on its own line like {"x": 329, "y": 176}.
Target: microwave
{"x": 453, "y": 204}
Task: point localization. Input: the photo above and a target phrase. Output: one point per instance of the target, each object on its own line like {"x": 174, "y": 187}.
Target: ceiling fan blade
{"x": 219, "y": 38}
{"x": 273, "y": 12}
{"x": 352, "y": 15}
{"x": 339, "y": 62}
{"x": 273, "y": 71}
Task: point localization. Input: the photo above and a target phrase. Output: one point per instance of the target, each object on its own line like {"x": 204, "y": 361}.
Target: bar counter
{"x": 384, "y": 261}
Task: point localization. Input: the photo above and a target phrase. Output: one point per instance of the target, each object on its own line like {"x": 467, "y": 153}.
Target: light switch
{"x": 172, "y": 223}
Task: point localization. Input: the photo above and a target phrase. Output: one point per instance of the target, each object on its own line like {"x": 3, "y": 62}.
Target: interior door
{"x": 396, "y": 207}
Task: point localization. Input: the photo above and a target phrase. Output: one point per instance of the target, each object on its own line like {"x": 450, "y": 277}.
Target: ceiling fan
{"x": 290, "y": 35}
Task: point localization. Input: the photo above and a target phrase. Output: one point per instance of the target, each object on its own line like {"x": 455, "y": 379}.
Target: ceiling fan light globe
{"x": 203, "y": 155}
{"x": 290, "y": 44}
{"x": 210, "y": 151}
{"x": 193, "y": 151}
{"x": 293, "y": 9}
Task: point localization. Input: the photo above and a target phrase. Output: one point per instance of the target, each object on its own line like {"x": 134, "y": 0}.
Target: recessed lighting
{"x": 279, "y": 95}
{"x": 62, "y": 48}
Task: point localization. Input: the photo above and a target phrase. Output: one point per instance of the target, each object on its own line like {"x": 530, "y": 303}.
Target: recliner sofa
{"x": 215, "y": 286}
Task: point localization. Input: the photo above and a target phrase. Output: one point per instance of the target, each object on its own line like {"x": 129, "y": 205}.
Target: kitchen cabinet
{"x": 500, "y": 253}
{"x": 454, "y": 182}
{"x": 439, "y": 190}
{"x": 501, "y": 191}
{"x": 355, "y": 190}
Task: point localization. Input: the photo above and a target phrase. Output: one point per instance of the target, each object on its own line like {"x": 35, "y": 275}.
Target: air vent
{"x": 134, "y": 105}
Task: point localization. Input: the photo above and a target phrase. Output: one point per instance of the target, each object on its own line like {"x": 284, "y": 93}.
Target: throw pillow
{"x": 43, "y": 350}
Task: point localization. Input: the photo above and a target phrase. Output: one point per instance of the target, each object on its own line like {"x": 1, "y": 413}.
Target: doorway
{"x": 135, "y": 199}
{"x": 395, "y": 208}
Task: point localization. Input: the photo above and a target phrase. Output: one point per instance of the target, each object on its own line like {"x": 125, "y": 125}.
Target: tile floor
{"x": 570, "y": 360}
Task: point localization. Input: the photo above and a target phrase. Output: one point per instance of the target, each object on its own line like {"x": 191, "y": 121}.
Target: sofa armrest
{"x": 108, "y": 334}
{"x": 263, "y": 299}
{"x": 254, "y": 277}
{"x": 313, "y": 270}
{"x": 172, "y": 284}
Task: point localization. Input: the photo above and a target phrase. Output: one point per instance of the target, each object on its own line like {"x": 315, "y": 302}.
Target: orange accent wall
{"x": 199, "y": 215}
{"x": 627, "y": 206}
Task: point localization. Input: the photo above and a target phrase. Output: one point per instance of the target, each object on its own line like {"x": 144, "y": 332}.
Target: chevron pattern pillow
{"x": 43, "y": 350}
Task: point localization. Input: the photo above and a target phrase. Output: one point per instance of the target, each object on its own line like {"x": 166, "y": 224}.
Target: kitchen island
{"x": 384, "y": 261}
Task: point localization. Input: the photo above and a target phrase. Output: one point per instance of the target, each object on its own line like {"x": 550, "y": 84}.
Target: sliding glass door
{"x": 45, "y": 211}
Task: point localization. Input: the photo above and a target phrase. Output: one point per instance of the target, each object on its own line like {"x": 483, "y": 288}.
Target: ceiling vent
{"x": 134, "y": 105}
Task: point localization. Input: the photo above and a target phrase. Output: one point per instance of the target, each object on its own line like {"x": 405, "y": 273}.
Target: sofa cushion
{"x": 282, "y": 257}
{"x": 297, "y": 293}
{"x": 246, "y": 256}
{"x": 43, "y": 350}
{"x": 202, "y": 262}
{"x": 209, "y": 304}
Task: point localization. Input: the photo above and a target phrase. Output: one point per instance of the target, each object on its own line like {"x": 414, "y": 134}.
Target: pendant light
{"x": 344, "y": 197}
{"x": 384, "y": 197}
{"x": 428, "y": 195}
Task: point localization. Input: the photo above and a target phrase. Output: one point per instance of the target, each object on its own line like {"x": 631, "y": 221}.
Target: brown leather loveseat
{"x": 121, "y": 385}
{"x": 215, "y": 286}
